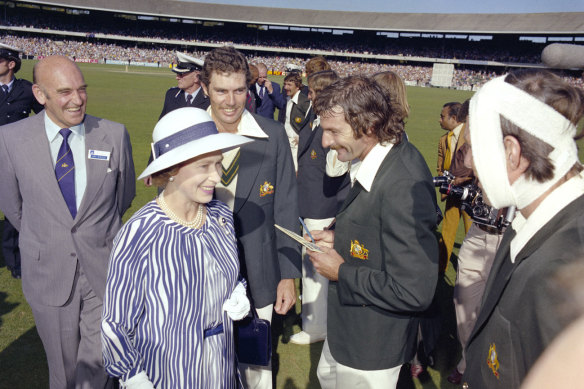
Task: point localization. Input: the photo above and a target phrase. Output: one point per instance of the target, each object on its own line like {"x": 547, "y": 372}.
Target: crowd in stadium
{"x": 120, "y": 51}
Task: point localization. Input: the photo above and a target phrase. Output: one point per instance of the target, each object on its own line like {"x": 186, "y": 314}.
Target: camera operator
{"x": 521, "y": 132}
{"x": 449, "y": 158}
{"x": 476, "y": 254}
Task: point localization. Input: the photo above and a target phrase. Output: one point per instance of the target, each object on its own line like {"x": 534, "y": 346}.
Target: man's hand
{"x": 326, "y": 264}
{"x": 322, "y": 238}
{"x": 269, "y": 87}
{"x": 285, "y": 296}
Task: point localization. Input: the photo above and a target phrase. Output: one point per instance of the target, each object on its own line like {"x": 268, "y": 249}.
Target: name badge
{"x": 100, "y": 155}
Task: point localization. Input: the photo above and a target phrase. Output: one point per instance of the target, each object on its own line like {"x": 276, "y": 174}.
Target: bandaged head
{"x": 497, "y": 99}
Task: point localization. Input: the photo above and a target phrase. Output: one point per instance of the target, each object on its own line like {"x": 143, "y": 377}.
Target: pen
{"x": 307, "y": 230}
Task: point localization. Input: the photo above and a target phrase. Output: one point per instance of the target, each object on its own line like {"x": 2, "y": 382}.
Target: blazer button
{"x": 465, "y": 385}
{"x": 73, "y": 254}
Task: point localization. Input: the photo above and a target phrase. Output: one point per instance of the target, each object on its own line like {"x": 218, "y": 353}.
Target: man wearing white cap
{"x": 16, "y": 102}
{"x": 188, "y": 93}
{"x": 521, "y": 132}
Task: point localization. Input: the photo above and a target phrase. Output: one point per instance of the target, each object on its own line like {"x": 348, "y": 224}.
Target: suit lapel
{"x": 306, "y": 133}
{"x": 250, "y": 162}
{"x": 500, "y": 274}
{"x": 95, "y": 170}
{"x": 39, "y": 151}
{"x": 353, "y": 193}
{"x": 199, "y": 99}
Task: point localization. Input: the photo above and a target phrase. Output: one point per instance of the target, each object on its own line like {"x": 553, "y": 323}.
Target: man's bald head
{"x": 59, "y": 86}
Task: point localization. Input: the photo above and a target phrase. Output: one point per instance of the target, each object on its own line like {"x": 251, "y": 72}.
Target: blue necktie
{"x": 189, "y": 99}
{"x": 65, "y": 172}
{"x": 5, "y": 89}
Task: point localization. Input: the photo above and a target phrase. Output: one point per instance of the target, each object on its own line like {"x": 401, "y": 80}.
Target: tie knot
{"x": 189, "y": 98}
{"x": 65, "y": 132}
{"x": 5, "y": 88}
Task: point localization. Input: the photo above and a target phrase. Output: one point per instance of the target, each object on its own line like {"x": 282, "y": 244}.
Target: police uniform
{"x": 14, "y": 106}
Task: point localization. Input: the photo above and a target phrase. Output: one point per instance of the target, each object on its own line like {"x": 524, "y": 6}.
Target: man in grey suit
{"x": 259, "y": 184}
{"x": 384, "y": 265}
{"x": 67, "y": 179}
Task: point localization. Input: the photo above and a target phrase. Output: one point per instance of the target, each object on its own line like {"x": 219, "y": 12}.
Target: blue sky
{"x": 423, "y": 6}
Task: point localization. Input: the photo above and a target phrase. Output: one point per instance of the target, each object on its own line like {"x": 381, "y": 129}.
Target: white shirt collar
{"x": 52, "y": 129}
{"x": 247, "y": 125}
{"x": 194, "y": 94}
{"x": 368, "y": 168}
{"x": 9, "y": 85}
{"x": 295, "y": 97}
{"x": 456, "y": 131}
{"x": 547, "y": 209}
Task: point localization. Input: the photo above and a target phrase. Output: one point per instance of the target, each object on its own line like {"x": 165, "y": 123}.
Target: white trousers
{"x": 333, "y": 375}
{"x": 314, "y": 287}
{"x": 254, "y": 376}
{"x": 475, "y": 260}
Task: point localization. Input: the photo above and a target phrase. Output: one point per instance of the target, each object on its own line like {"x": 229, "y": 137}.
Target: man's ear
{"x": 517, "y": 164}
{"x": 11, "y": 65}
{"x": 39, "y": 94}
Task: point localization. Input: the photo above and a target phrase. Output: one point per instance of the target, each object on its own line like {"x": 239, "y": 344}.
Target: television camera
{"x": 472, "y": 202}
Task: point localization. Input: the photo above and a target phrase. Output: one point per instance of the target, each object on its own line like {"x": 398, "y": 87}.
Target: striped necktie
{"x": 189, "y": 99}
{"x": 65, "y": 172}
{"x": 5, "y": 89}
{"x": 230, "y": 173}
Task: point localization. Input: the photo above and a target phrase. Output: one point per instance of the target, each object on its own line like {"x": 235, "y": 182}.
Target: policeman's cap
{"x": 187, "y": 64}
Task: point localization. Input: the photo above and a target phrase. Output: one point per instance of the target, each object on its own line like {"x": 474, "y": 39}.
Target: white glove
{"x": 139, "y": 381}
{"x": 237, "y": 305}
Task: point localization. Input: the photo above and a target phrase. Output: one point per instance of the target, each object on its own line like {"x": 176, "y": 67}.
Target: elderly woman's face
{"x": 197, "y": 180}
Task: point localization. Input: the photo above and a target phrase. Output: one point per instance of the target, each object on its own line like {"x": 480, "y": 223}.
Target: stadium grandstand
{"x": 472, "y": 48}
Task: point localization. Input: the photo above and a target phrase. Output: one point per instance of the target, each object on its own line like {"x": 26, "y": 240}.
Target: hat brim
{"x": 217, "y": 142}
{"x": 182, "y": 70}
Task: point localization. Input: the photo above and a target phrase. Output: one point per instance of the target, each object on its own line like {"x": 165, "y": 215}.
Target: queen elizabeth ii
{"x": 173, "y": 285}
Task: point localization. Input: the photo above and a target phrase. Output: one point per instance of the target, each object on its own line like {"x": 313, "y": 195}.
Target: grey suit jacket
{"x": 373, "y": 308}
{"x": 51, "y": 242}
{"x": 266, "y": 193}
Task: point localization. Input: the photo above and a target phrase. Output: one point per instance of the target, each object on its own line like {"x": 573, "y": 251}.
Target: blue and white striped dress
{"x": 166, "y": 284}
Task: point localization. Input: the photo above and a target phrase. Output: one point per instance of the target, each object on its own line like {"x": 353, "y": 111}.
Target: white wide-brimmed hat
{"x": 186, "y": 133}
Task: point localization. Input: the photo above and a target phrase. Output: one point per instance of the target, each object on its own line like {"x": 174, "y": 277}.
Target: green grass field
{"x": 134, "y": 97}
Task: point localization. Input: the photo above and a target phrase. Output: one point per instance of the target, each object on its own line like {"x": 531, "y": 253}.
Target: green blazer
{"x": 373, "y": 307}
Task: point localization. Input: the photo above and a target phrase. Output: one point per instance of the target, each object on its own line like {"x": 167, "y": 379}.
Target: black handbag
{"x": 253, "y": 339}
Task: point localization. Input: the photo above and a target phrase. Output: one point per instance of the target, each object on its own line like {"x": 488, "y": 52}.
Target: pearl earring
{"x": 171, "y": 179}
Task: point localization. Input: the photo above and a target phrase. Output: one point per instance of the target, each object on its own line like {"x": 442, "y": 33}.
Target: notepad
{"x": 309, "y": 245}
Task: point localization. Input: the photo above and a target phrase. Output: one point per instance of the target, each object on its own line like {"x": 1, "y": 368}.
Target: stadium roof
{"x": 560, "y": 23}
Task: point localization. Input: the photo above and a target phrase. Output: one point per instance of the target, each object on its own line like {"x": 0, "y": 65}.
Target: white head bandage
{"x": 498, "y": 97}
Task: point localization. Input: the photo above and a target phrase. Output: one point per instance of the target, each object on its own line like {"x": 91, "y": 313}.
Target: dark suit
{"x": 175, "y": 99}
{"x": 519, "y": 317}
{"x": 298, "y": 112}
{"x": 14, "y": 107}
{"x": 372, "y": 308}
{"x": 317, "y": 192}
{"x": 267, "y": 105}
{"x": 266, "y": 256}
{"x": 58, "y": 252}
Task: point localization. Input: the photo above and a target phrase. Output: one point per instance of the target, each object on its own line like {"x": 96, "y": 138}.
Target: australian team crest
{"x": 266, "y": 188}
{"x": 358, "y": 250}
{"x": 298, "y": 119}
{"x": 492, "y": 360}
{"x": 313, "y": 154}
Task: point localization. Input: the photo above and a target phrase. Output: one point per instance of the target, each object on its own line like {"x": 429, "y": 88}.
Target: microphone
{"x": 563, "y": 56}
